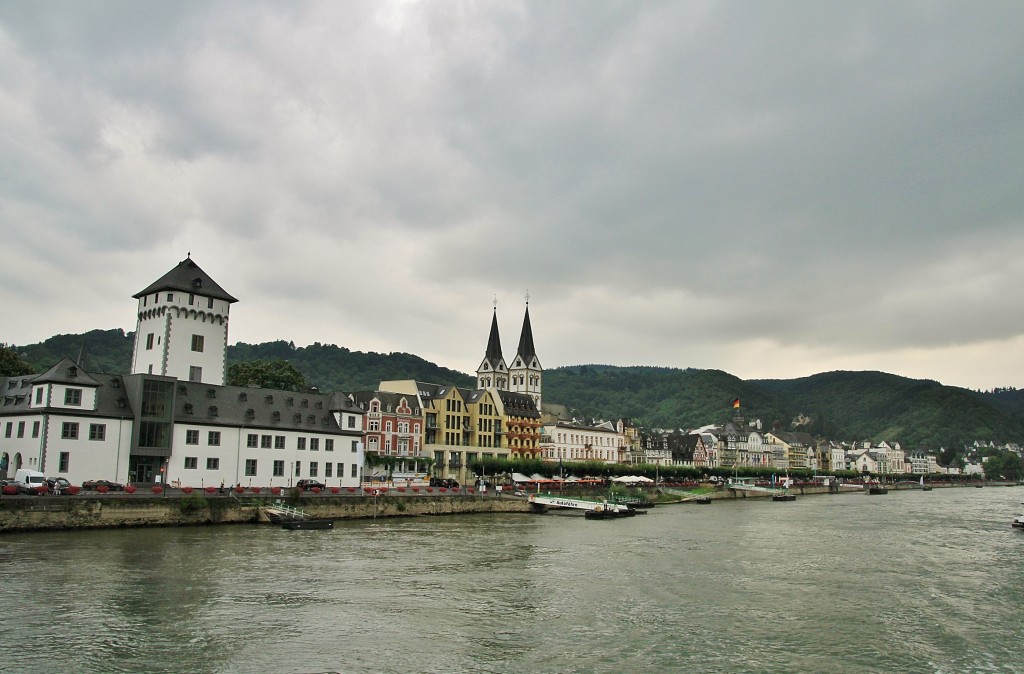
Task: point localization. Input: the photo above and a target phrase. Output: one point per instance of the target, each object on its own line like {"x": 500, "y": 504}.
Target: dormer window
{"x": 188, "y": 408}
{"x": 122, "y": 402}
{"x": 270, "y": 400}
{"x": 297, "y": 418}
{"x": 311, "y": 419}
{"x": 72, "y": 371}
{"x": 243, "y": 396}
{"x": 197, "y": 283}
{"x": 305, "y": 403}
{"x": 211, "y": 393}
{"x": 115, "y": 383}
{"x": 182, "y": 390}
{"x": 289, "y": 401}
{"x": 319, "y": 404}
{"x": 276, "y": 416}
{"x": 250, "y": 413}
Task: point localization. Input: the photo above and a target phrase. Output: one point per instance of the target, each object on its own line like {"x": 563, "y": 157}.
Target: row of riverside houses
{"x": 173, "y": 420}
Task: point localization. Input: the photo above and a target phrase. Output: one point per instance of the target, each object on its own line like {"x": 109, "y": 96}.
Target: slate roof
{"x": 260, "y": 408}
{"x": 493, "y": 355}
{"x": 362, "y": 400}
{"x": 66, "y": 371}
{"x": 187, "y": 277}
{"x": 111, "y": 398}
{"x": 526, "y": 349}
{"x": 518, "y": 404}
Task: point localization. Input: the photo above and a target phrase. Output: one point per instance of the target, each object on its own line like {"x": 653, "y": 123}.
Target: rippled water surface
{"x": 909, "y": 582}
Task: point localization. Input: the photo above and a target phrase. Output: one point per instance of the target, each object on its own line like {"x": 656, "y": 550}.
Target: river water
{"x": 906, "y": 582}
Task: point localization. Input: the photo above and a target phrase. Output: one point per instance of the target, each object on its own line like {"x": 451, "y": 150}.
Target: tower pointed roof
{"x": 187, "y": 277}
{"x": 527, "y": 352}
{"x": 493, "y": 355}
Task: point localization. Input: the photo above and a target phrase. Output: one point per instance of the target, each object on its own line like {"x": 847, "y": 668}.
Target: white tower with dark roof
{"x": 493, "y": 373}
{"x": 182, "y": 328}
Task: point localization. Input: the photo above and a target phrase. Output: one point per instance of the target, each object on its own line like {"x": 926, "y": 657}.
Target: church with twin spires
{"x": 524, "y": 375}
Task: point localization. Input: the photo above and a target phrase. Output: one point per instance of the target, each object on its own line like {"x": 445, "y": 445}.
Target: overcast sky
{"x": 770, "y": 188}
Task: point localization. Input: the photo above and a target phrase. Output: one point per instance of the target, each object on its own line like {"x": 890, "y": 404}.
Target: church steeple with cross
{"x": 525, "y": 373}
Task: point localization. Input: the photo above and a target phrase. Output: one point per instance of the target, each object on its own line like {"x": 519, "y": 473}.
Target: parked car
{"x": 58, "y": 485}
{"x": 305, "y": 485}
{"x": 444, "y": 482}
{"x": 93, "y": 485}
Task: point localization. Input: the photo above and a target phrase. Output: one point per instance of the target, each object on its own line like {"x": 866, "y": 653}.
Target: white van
{"x": 29, "y": 480}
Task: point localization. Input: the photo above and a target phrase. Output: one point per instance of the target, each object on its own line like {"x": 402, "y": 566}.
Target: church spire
{"x": 492, "y": 371}
{"x": 527, "y": 352}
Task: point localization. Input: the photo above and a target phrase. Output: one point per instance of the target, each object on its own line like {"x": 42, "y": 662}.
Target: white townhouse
{"x": 574, "y": 441}
{"x": 172, "y": 419}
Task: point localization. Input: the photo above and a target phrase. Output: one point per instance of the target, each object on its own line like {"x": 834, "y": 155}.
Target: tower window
{"x": 170, "y": 297}
{"x": 198, "y": 341}
{"x": 195, "y": 373}
{"x": 209, "y": 302}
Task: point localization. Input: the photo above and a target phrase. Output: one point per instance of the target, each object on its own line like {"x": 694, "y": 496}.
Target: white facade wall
{"x": 570, "y": 444}
{"x": 203, "y": 464}
{"x": 164, "y": 333}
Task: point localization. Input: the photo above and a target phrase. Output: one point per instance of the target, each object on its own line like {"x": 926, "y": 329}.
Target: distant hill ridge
{"x": 838, "y": 405}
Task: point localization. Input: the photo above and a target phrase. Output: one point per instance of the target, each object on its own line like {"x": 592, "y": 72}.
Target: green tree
{"x": 12, "y": 364}
{"x": 1004, "y": 466}
{"x": 279, "y": 375}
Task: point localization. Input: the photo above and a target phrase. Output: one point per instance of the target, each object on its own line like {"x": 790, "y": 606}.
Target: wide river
{"x": 906, "y": 582}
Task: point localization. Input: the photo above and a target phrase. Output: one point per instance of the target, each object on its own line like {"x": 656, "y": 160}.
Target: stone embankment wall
{"x": 40, "y": 513}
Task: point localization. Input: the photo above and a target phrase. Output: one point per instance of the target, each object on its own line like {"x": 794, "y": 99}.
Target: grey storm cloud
{"x": 774, "y": 188}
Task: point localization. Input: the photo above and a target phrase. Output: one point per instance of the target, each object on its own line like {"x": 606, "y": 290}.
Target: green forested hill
{"x": 839, "y": 405}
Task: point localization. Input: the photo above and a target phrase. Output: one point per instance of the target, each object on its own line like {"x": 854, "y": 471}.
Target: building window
{"x": 192, "y": 437}
{"x": 39, "y": 396}
{"x": 149, "y": 342}
{"x": 191, "y": 462}
{"x": 250, "y": 467}
{"x": 252, "y": 440}
{"x": 327, "y": 469}
{"x": 213, "y": 463}
{"x": 314, "y": 468}
{"x": 355, "y": 470}
{"x": 351, "y": 421}
{"x": 69, "y": 430}
{"x": 97, "y": 432}
{"x": 170, "y": 297}
{"x": 195, "y": 373}
{"x": 265, "y": 441}
{"x": 213, "y": 438}
{"x": 314, "y": 444}
{"x": 298, "y": 468}
{"x": 63, "y": 462}
{"x": 35, "y": 429}
{"x": 9, "y": 431}
{"x": 355, "y": 446}
{"x": 300, "y": 443}
{"x": 197, "y": 343}
{"x": 209, "y": 302}
{"x": 73, "y": 396}
{"x": 21, "y": 429}
{"x": 328, "y": 445}
{"x": 279, "y": 469}
{"x": 278, "y": 442}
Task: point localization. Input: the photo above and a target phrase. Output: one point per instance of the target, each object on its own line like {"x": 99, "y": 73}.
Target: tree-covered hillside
{"x": 880, "y": 406}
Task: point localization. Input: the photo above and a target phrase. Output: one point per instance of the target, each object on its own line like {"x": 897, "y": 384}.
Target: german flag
{"x": 736, "y": 404}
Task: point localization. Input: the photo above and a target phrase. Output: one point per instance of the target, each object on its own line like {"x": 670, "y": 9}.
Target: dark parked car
{"x": 58, "y": 485}
{"x": 444, "y": 482}
{"x": 94, "y": 485}
{"x": 305, "y": 485}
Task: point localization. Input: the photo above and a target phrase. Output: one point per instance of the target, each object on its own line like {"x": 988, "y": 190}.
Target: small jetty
{"x": 293, "y": 518}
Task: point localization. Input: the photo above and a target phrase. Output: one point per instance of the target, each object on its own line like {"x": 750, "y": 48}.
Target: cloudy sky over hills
{"x": 769, "y": 188}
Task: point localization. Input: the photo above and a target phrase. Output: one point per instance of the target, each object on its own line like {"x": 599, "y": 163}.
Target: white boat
{"x": 1018, "y": 522}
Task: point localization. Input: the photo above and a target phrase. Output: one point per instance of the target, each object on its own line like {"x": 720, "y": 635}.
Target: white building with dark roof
{"x": 172, "y": 420}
